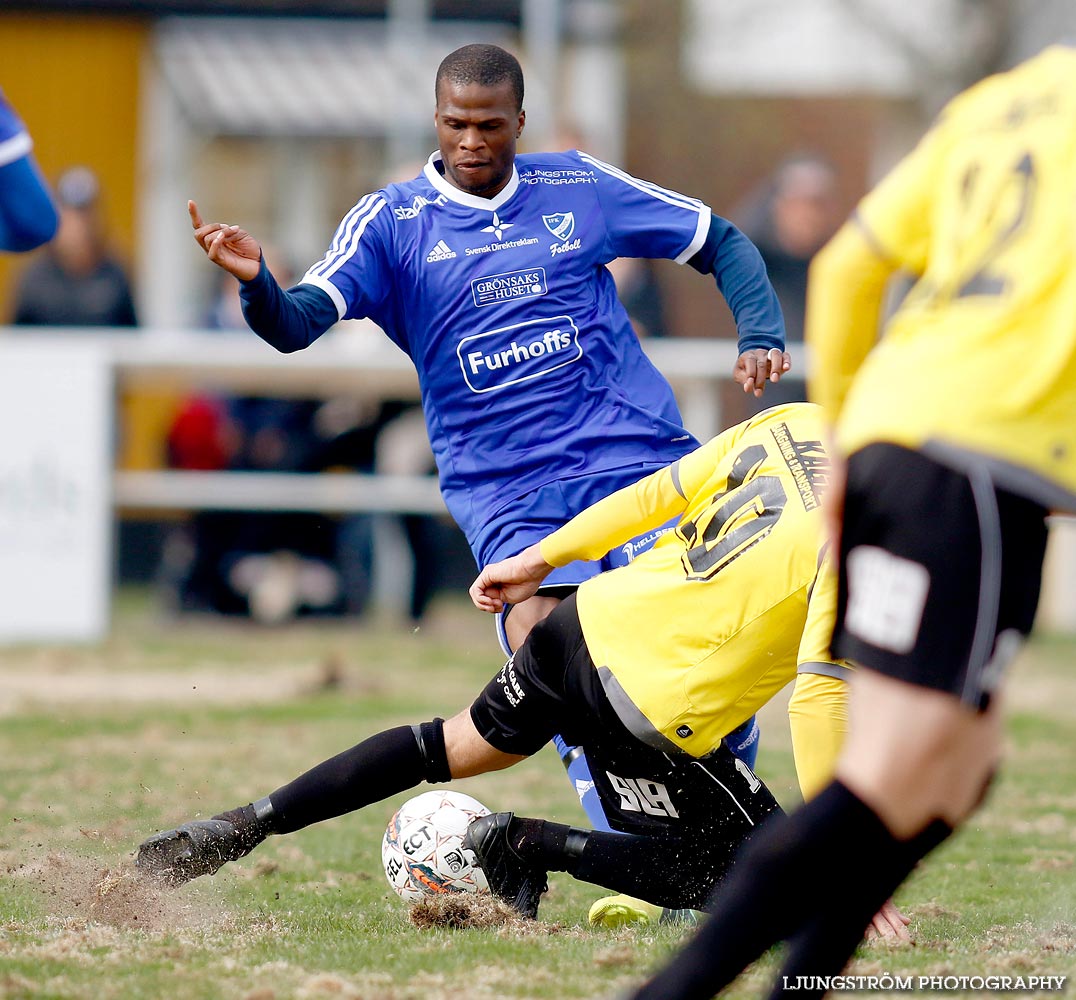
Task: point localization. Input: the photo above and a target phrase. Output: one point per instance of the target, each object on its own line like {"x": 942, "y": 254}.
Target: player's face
{"x": 477, "y": 128}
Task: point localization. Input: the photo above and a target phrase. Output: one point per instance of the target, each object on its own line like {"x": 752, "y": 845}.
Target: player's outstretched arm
{"x": 229, "y": 247}
{"x": 510, "y": 581}
{"x": 754, "y": 368}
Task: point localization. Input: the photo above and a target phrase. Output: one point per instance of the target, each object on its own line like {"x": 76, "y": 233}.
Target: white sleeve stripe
{"x": 353, "y": 244}
{"x": 15, "y": 148}
{"x": 702, "y": 231}
{"x": 329, "y": 289}
{"x": 343, "y": 232}
{"x": 664, "y": 194}
{"x": 637, "y": 182}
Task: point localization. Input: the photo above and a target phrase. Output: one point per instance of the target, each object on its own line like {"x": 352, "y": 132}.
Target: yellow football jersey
{"x": 699, "y": 632}
{"x": 978, "y": 363}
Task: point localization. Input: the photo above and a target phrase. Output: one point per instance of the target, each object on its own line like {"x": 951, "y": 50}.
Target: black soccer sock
{"x": 833, "y": 848}
{"x": 824, "y": 946}
{"x": 374, "y": 769}
{"x": 671, "y": 871}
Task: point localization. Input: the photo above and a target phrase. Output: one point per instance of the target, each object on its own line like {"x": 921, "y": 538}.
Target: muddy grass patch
{"x": 117, "y": 896}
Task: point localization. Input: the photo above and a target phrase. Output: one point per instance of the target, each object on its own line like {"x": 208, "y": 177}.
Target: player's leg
{"x": 514, "y": 625}
{"x": 933, "y": 607}
{"x": 382, "y": 765}
{"x": 699, "y": 813}
{"x": 832, "y": 848}
{"x": 677, "y": 822}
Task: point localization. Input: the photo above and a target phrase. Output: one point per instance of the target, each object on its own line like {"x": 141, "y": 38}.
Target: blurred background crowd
{"x": 279, "y": 114}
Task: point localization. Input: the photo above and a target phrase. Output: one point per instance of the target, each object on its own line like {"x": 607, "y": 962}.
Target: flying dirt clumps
{"x": 117, "y": 896}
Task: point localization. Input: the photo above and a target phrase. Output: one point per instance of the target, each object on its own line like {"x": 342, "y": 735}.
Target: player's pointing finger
{"x": 196, "y": 218}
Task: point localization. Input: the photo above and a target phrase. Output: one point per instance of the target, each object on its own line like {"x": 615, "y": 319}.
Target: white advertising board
{"x": 55, "y": 501}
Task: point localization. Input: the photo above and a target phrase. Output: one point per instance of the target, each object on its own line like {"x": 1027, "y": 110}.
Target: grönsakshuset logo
{"x": 524, "y": 284}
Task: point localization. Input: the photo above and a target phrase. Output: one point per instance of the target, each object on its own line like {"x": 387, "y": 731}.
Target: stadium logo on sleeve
{"x": 416, "y": 205}
{"x": 526, "y": 284}
{"x": 499, "y": 358}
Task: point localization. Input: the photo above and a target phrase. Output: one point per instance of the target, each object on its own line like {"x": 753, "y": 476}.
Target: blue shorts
{"x": 529, "y": 518}
{"x": 533, "y": 516}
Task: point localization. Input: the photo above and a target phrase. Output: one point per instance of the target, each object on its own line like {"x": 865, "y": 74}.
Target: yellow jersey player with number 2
{"x": 958, "y": 433}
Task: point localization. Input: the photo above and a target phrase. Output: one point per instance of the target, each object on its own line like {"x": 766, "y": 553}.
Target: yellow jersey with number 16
{"x": 700, "y": 631}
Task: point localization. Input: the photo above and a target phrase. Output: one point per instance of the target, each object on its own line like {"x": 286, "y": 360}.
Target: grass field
{"x": 172, "y": 719}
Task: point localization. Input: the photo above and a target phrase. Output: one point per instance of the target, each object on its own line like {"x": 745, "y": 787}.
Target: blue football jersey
{"x": 530, "y": 371}
{"x": 14, "y": 140}
{"x": 28, "y": 216}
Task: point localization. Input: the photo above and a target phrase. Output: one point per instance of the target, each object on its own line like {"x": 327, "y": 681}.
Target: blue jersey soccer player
{"x": 28, "y": 216}
{"x": 488, "y": 270}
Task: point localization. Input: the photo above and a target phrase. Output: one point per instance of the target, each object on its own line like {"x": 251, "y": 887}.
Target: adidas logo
{"x": 442, "y": 251}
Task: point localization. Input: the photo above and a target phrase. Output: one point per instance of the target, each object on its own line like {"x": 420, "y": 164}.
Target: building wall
{"x": 74, "y": 80}
{"x": 722, "y": 149}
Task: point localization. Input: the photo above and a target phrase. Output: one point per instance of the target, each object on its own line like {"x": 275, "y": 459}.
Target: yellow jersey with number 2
{"x": 978, "y": 363}
{"x": 700, "y": 631}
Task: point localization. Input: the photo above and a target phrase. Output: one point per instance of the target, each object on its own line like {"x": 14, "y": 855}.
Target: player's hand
{"x": 889, "y": 926}
{"x": 229, "y": 247}
{"x": 754, "y": 368}
{"x": 510, "y": 581}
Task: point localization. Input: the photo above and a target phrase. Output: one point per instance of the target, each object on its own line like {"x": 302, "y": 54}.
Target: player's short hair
{"x": 487, "y": 65}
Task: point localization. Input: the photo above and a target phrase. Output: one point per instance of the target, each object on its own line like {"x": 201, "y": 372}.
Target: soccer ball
{"x": 422, "y": 849}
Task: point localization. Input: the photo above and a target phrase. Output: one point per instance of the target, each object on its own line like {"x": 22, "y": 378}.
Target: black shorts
{"x": 550, "y": 686}
{"x": 940, "y": 572}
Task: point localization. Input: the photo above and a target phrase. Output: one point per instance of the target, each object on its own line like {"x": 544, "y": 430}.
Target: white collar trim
{"x": 453, "y": 193}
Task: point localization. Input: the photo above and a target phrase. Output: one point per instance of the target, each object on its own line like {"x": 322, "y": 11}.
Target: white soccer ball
{"x": 422, "y": 849}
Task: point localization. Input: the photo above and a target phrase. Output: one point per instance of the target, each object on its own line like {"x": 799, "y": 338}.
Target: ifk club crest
{"x": 560, "y": 224}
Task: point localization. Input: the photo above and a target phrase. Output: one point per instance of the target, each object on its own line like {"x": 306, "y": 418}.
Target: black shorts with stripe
{"x": 940, "y": 572}
{"x": 551, "y": 686}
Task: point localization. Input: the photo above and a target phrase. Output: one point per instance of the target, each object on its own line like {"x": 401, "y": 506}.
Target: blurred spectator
{"x": 789, "y": 221}
{"x": 77, "y": 281}
{"x": 28, "y": 217}
{"x": 271, "y": 565}
{"x": 268, "y": 564}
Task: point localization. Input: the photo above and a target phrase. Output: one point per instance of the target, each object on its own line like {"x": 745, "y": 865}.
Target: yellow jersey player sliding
{"x": 648, "y": 667}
